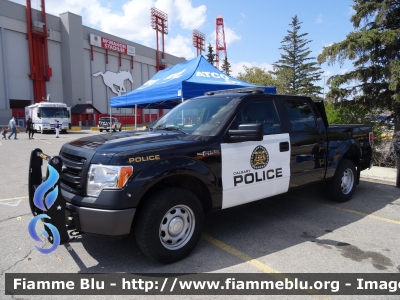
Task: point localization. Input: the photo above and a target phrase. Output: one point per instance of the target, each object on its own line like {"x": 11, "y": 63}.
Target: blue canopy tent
{"x": 186, "y": 80}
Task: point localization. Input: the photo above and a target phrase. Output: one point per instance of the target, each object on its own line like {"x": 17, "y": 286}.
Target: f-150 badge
{"x": 208, "y": 153}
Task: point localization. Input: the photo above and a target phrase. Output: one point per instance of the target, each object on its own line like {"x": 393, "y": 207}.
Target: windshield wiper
{"x": 172, "y": 128}
{"x": 169, "y": 128}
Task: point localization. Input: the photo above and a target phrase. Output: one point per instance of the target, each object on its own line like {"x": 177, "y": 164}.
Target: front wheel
{"x": 343, "y": 184}
{"x": 101, "y": 130}
{"x": 169, "y": 224}
{"x": 120, "y": 128}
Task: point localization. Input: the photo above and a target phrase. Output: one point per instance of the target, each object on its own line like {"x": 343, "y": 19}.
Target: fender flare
{"x": 347, "y": 148}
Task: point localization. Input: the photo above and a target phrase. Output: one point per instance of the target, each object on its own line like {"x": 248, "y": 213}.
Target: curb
{"x": 380, "y": 173}
{"x": 75, "y": 129}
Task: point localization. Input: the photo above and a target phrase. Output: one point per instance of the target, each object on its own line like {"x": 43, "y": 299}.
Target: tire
{"x": 101, "y": 130}
{"x": 114, "y": 129}
{"x": 120, "y": 128}
{"x": 343, "y": 184}
{"x": 154, "y": 225}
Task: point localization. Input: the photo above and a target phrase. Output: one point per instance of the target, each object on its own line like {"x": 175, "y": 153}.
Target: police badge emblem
{"x": 259, "y": 158}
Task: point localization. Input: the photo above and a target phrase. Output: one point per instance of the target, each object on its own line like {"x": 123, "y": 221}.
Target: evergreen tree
{"x": 210, "y": 55}
{"x": 295, "y": 69}
{"x": 226, "y": 66}
{"x": 375, "y": 50}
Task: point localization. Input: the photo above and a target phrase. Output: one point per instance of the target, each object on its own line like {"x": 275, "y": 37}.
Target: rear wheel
{"x": 343, "y": 184}
{"x": 169, "y": 224}
{"x": 101, "y": 130}
{"x": 120, "y": 128}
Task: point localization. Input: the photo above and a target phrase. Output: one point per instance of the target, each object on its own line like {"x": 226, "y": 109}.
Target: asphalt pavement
{"x": 298, "y": 232}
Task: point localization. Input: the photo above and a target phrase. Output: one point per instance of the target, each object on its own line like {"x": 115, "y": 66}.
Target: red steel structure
{"x": 220, "y": 45}
{"x": 198, "y": 41}
{"x": 159, "y": 22}
{"x": 37, "y": 35}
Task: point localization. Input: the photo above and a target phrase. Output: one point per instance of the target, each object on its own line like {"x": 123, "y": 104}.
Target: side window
{"x": 300, "y": 115}
{"x": 260, "y": 112}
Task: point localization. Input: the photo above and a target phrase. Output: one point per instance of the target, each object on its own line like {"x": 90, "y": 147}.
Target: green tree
{"x": 374, "y": 49}
{"x": 354, "y": 112}
{"x": 257, "y": 76}
{"x": 210, "y": 55}
{"x": 226, "y": 66}
{"x": 296, "y": 69}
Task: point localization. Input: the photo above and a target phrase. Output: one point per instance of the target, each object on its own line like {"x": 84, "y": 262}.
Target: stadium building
{"x": 42, "y": 54}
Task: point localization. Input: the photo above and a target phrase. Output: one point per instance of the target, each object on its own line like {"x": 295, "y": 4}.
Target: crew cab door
{"x": 308, "y": 141}
{"x": 254, "y": 170}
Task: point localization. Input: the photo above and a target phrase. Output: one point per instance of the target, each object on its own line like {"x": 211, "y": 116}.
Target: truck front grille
{"x": 71, "y": 178}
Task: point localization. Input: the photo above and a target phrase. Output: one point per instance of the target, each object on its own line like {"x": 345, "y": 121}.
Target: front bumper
{"x": 111, "y": 213}
{"x": 99, "y": 221}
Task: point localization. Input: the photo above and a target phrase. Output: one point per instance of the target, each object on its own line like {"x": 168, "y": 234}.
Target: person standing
{"x": 12, "y": 125}
{"x": 57, "y": 128}
{"x": 29, "y": 127}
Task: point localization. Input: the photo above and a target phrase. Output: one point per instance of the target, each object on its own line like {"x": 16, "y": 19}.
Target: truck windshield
{"x": 201, "y": 116}
{"x": 53, "y": 112}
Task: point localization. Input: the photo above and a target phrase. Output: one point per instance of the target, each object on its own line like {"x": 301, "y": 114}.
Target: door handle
{"x": 283, "y": 146}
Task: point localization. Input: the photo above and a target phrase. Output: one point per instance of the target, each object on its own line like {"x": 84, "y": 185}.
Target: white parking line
{"x": 355, "y": 212}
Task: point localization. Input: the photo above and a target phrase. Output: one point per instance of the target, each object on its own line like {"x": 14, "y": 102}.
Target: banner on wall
{"x": 111, "y": 45}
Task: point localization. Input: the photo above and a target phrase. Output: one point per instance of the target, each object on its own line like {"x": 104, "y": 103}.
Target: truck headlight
{"x": 106, "y": 177}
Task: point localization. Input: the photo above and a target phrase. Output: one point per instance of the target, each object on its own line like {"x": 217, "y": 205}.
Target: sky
{"x": 254, "y": 29}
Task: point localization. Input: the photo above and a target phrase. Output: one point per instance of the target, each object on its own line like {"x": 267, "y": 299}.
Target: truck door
{"x": 308, "y": 142}
{"x": 255, "y": 170}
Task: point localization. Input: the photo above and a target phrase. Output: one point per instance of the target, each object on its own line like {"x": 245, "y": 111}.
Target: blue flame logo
{"x": 45, "y": 205}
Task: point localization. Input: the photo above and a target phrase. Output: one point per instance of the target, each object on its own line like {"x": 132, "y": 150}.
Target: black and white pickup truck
{"x": 209, "y": 153}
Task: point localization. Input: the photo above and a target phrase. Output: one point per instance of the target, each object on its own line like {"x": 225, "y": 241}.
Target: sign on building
{"x": 111, "y": 45}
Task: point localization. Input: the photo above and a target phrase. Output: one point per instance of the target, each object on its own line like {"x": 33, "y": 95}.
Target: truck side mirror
{"x": 38, "y": 114}
{"x": 68, "y": 114}
{"x": 246, "y": 132}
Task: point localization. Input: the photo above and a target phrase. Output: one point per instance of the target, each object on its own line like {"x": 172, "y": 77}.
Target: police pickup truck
{"x": 209, "y": 153}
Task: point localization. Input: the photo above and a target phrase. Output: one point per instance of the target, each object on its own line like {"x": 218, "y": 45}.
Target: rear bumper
{"x": 366, "y": 163}
{"x": 99, "y": 221}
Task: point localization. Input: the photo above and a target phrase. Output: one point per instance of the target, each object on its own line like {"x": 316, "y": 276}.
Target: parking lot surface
{"x": 297, "y": 232}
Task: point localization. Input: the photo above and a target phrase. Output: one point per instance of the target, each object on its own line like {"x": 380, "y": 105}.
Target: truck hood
{"x": 133, "y": 141}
